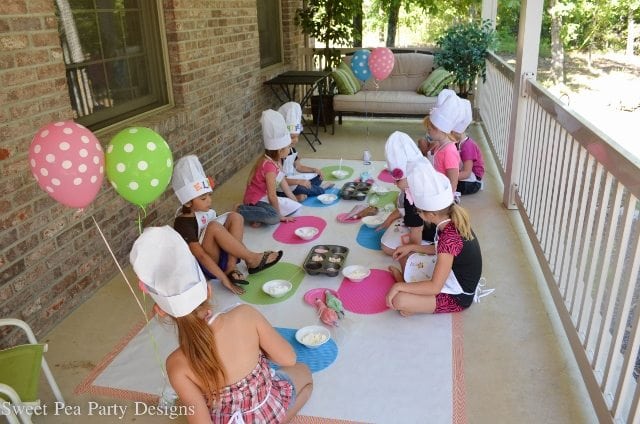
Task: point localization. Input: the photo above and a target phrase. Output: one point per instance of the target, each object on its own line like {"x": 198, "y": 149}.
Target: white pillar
{"x": 490, "y": 11}
{"x": 526, "y": 68}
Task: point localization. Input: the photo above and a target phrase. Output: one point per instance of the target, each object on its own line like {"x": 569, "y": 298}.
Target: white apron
{"x": 287, "y": 206}
{"x": 204, "y": 218}
{"x": 289, "y": 169}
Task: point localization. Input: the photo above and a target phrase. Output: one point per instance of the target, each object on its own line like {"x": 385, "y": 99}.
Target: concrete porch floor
{"x": 517, "y": 364}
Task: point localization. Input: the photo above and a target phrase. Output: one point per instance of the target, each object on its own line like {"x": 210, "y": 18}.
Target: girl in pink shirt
{"x": 261, "y": 204}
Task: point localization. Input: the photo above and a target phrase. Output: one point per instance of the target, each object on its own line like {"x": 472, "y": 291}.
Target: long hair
{"x": 198, "y": 344}
{"x": 426, "y": 121}
{"x": 460, "y": 218}
{"x": 273, "y": 154}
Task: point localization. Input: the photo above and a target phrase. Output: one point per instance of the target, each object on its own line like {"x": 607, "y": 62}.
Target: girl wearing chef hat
{"x": 305, "y": 181}
{"x": 439, "y": 123}
{"x": 403, "y": 227}
{"x": 472, "y": 169}
{"x": 261, "y": 204}
{"x": 448, "y": 281}
{"x": 220, "y": 369}
{"x": 215, "y": 241}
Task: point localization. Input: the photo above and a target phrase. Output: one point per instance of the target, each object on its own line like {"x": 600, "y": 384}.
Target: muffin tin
{"x": 355, "y": 190}
{"x": 326, "y": 259}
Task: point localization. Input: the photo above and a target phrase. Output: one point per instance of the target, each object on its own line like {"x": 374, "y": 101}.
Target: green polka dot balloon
{"x": 139, "y": 165}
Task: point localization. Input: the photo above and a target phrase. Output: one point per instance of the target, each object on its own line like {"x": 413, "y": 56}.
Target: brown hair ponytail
{"x": 199, "y": 346}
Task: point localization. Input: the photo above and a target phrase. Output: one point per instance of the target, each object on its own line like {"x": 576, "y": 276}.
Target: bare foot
{"x": 405, "y": 313}
{"x": 397, "y": 274}
{"x": 255, "y": 224}
{"x": 301, "y": 197}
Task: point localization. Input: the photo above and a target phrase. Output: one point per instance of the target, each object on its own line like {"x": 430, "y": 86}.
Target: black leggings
{"x": 467, "y": 187}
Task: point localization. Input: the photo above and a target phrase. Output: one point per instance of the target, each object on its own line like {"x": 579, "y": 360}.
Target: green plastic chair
{"x": 20, "y": 373}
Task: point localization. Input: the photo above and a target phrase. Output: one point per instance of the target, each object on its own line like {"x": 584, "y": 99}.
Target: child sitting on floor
{"x": 403, "y": 226}
{"x": 220, "y": 369}
{"x": 261, "y": 204}
{"x": 444, "y": 156}
{"x": 303, "y": 180}
{"x": 448, "y": 281}
{"x": 472, "y": 171}
{"x": 215, "y": 241}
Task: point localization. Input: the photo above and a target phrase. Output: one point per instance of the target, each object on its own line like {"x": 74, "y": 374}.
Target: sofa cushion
{"x": 385, "y": 102}
{"x": 352, "y": 77}
{"x": 343, "y": 83}
{"x": 435, "y": 82}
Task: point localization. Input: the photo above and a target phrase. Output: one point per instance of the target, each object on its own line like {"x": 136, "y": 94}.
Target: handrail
{"x": 577, "y": 193}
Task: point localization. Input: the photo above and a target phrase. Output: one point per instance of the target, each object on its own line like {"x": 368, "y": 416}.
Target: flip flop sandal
{"x": 263, "y": 262}
{"x": 233, "y": 277}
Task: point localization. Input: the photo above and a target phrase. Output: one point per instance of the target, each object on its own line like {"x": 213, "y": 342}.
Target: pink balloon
{"x": 381, "y": 62}
{"x": 67, "y": 161}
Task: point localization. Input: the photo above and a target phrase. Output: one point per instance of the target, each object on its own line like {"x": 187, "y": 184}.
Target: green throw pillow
{"x": 435, "y": 82}
{"x": 343, "y": 83}
{"x": 352, "y": 77}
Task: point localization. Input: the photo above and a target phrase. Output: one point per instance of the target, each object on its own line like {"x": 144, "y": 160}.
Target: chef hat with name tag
{"x": 446, "y": 114}
{"x": 274, "y": 130}
{"x": 188, "y": 180}
{"x": 430, "y": 189}
{"x": 465, "y": 116}
{"x": 292, "y": 114}
{"x": 164, "y": 264}
{"x": 399, "y": 150}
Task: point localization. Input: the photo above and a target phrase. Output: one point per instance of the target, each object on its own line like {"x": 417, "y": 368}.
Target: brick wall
{"x": 52, "y": 257}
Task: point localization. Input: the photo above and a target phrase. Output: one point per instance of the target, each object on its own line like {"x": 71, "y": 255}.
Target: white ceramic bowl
{"x": 356, "y": 273}
{"x": 327, "y": 198}
{"x": 339, "y": 173}
{"x": 277, "y": 288}
{"x": 313, "y": 336}
{"x": 373, "y": 221}
{"x": 306, "y": 233}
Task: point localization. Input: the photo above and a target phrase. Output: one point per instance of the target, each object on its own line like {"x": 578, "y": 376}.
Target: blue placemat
{"x": 369, "y": 238}
{"x": 315, "y": 203}
{"x": 317, "y": 358}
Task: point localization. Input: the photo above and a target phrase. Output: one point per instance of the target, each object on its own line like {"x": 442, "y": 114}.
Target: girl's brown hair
{"x": 460, "y": 218}
{"x": 198, "y": 344}
{"x": 273, "y": 154}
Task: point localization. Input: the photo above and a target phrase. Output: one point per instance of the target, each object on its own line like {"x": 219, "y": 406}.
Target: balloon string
{"x": 144, "y": 314}
{"x": 141, "y": 218}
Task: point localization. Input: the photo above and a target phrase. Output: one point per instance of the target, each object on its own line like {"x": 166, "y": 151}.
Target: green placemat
{"x": 326, "y": 172}
{"x": 381, "y": 200}
{"x": 280, "y": 271}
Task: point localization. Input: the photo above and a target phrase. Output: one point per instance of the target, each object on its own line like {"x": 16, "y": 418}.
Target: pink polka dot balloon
{"x": 381, "y": 63}
{"x": 67, "y": 161}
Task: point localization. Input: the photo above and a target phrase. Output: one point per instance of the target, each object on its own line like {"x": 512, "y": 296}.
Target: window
{"x": 113, "y": 56}
{"x": 270, "y": 32}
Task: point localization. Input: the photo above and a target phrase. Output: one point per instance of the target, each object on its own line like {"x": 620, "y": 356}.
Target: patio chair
{"x": 20, "y": 374}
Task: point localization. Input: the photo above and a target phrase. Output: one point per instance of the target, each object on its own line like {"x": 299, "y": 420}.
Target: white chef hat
{"x": 188, "y": 180}
{"x": 443, "y": 95}
{"x": 292, "y": 113}
{"x": 445, "y": 115}
{"x": 164, "y": 264}
{"x": 431, "y": 190}
{"x": 274, "y": 130}
{"x": 399, "y": 150}
{"x": 465, "y": 116}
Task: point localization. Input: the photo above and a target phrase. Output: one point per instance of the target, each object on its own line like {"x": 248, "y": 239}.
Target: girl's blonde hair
{"x": 460, "y": 218}
{"x": 273, "y": 154}
{"x": 198, "y": 344}
{"x": 426, "y": 121}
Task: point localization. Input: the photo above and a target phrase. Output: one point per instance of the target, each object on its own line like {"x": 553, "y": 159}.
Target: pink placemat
{"x": 285, "y": 231}
{"x": 385, "y": 176}
{"x": 367, "y": 296}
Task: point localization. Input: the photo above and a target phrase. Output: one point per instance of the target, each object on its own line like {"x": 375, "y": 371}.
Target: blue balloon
{"x": 360, "y": 64}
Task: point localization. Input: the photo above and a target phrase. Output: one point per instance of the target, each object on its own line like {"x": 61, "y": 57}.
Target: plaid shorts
{"x": 446, "y": 303}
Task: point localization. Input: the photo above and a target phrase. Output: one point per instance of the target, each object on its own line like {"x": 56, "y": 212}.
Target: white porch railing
{"x": 577, "y": 192}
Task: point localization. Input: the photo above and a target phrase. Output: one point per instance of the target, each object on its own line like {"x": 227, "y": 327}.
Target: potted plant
{"x": 330, "y": 22}
{"x": 462, "y": 50}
